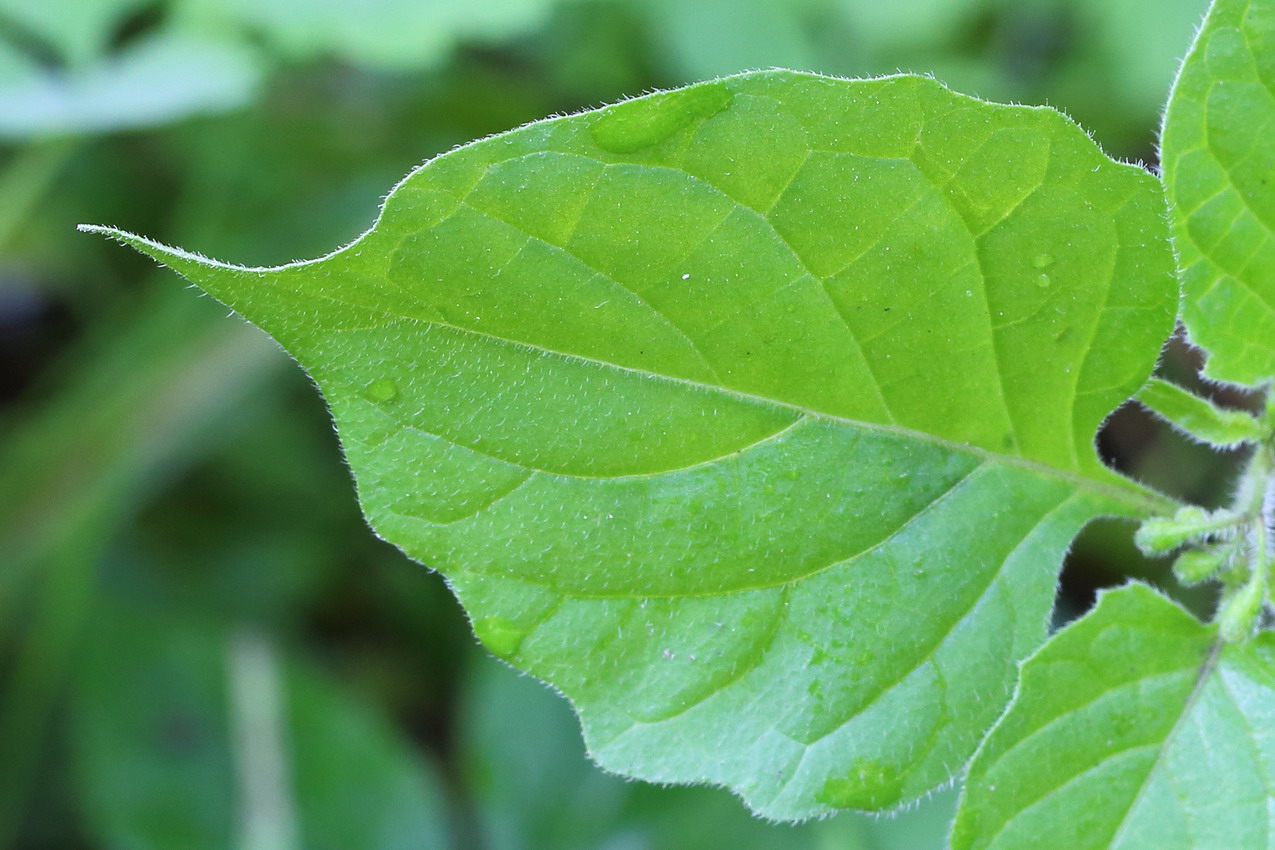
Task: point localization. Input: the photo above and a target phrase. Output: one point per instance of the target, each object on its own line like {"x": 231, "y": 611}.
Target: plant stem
{"x": 258, "y": 726}
{"x": 1242, "y": 604}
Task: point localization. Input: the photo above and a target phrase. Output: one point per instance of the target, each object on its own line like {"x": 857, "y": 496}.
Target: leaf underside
{"x": 1218, "y": 175}
{"x": 1136, "y": 727}
{"x": 754, "y": 416}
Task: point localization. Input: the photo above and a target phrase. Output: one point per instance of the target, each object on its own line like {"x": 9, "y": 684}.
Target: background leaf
{"x": 385, "y": 34}
{"x": 77, "y": 31}
{"x": 189, "y": 737}
{"x": 710, "y": 389}
{"x": 1135, "y": 727}
{"x": 162, "y": 78}
{"x": 1217, "y": 172}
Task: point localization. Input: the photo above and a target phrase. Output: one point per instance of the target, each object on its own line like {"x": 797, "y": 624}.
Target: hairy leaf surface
{"x": 755, "y": 416}
{"x": 1198, "y": 417}
{"x": 1136, "y": 727}
{"x": 1217, "y": 168}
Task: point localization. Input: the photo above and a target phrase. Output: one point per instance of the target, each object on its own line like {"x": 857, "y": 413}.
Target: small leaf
{"x": 754, "y": 416}
{"x": 1160, "y": 535}
{"x": 1217, "y": 169}
{"x": 1198, "y": 417}
{"x": 1195, "y": 565}
{"x": 1135, "y": 727}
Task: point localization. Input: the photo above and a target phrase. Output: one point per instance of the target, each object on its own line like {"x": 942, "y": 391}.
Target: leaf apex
{"x": 158, "y": 251}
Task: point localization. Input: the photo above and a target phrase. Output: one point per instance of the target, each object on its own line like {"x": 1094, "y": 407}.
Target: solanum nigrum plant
{"x": 757, "y": 417}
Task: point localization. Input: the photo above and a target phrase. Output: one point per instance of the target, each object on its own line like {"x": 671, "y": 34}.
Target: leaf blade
{"x": 752, "y": 348}
{"x": 1135, "y": 707}
{"x": 1218, "y": 189}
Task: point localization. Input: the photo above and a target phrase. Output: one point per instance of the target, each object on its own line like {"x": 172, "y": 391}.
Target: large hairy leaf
{"x": 755, "y": 416}
{"x": 1136, "y": 727}
{"x": 1217, "y": 168}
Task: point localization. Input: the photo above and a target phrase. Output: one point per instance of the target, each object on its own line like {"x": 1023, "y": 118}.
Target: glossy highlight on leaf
{"x": 1135, "y": 727}
{"x": 755, "y": 416}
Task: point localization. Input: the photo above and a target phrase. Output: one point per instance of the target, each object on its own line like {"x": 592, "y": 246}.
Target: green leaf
{"x": 394, "y": 35}
{"x": 714, "y": 37}
{"x": 1215, "y": 150}
{"x": 754, "y": 416}
{"x": 79, "y": 31}
{"x": 1135, "y": 727}
{"x": 1198, "y": 417}
{"x": 1136, "y": 46}
{"x": 161, "y": 79}
{"x": 186, "y": 735}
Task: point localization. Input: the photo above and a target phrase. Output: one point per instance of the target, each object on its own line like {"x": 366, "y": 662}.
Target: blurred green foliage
{"x": 201, "y": 644}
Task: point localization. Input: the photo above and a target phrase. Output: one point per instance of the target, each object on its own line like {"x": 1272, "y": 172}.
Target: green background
{"x": 191, "y": 606}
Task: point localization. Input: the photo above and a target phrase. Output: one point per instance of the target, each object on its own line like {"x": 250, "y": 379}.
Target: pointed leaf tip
{"x": 231, "y": 285}
{"x": 156, "y": 250}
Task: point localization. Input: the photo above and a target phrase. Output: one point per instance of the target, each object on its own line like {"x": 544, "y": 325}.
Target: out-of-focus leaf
{"x": 1218, "y": 172}
{"x": 173, "y": 728}
{"x": 24, "y": 182}
{"x": 525, "y": 769}
{"x": 386, "y": 34}
{"x": 884, "y": 28}
{"x": 15, "y": 66}
{"x": 143, "y": 396}
{"x": 78, "y": 30}
{"x": 710, "y": 38}
{"x": 73, "y": 472}
{"x": 229, "y": 540}
{"x": 696, "y": 398}
{"x": 1135, "y": 727}
{"x": 153, "y": 81}
{"x": 1141, "y": 43}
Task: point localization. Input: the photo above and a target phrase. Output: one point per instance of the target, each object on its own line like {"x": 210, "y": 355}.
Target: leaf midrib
{"x": 1128, "y": 493}
{"x": 1140, "y": 498}
{"x": 1205, "y": 672}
